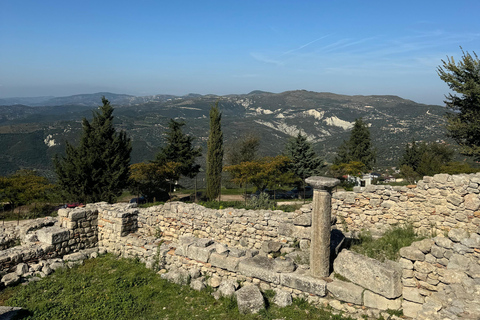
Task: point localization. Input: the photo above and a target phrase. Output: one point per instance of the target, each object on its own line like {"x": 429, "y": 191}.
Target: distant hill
{"x": 31, "y": 134}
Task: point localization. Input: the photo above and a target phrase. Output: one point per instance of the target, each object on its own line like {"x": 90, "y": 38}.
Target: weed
{"x": 388, "y": 246}
{"x": 397, "y": 313}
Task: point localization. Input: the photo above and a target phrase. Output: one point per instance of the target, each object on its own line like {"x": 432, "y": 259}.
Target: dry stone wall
{"x": 436, "y": 204}
{"x": 441, "y": 277}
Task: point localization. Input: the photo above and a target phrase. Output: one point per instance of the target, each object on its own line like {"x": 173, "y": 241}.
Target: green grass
{"x": 111, "y": 288}
{"x": 388, "y": 246}
{"x": 241, "y": 205}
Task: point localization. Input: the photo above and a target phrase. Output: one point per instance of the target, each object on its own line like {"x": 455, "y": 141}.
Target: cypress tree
{"x": 98, "y": 169}
{"x": 214, "y": 154}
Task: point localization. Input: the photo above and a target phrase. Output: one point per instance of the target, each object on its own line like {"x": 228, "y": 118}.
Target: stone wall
{"x": 232, "y": 227}
{"x": 441, "y": 277}
{"x": 436, "y": 204}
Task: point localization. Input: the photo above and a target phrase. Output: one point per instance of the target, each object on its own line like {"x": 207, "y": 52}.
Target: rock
{"x": 373, "y": 300}
{"x": 224, "y": 262}
{"x": 9, "y": 313}
{"x": 283, "y": 264}
{"x": 410, "y": 309}
{"x": 473, "y": 241}
{"x": 53, "y": 235}
{"x": 214, "y": 281}
{"x": 412, "y": 253}
{"x": 249, "y": 299}
{"x": 346, "y": 291}
{"x": 259, "y": 267}
{"x": 74, "y": 256}
{"x": 10, "y": 279}
{"x": 423, "y": 245}
{"x": 197, "y": 284}
{"x": 194, "y": 273}
{"x": 443, "y": 242}
{"x": 381, "y": 278}
{"x": 304, "y": 282}
{"x": 21, "y": 269}
{"x": 413, "y": 294}
{"x": 220, "y": 248}
{"x": 282, "y": 298}
{"x": 457, "y": 234}
{"x": 227, "y": 288}
{"x": 304, "y": 219}
{"x": 200, "y": 253}
{"x": 472, "y": 202}
{"x": 271, "y": 246}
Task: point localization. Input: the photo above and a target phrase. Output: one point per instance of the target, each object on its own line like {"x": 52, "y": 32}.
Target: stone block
{"x": 412, "y": 253}
{"x": 304, "y": 282}
{"x": 305, "y": 219}
{"x": 249, "y": 300}
{"x": 411, "y": 309}
{"x": 346, "y": 291}
{"x": 381, "y": 278}
{"x": 224, "y": 262}
{"x": 271, "y": 246}
{"x": 373, "y": 300}
{"x": 76, "y": 214}
{"x": 286, "y": 229}
{"x": 259, "y": 267}
{"x": 200, "y": 253}
{"x": 282, "y": 298}
{"x": 53, "y": 235}
{"x": 413, "y": 294}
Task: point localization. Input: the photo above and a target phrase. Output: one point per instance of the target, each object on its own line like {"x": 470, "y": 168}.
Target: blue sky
{"x": 177, "y": 47}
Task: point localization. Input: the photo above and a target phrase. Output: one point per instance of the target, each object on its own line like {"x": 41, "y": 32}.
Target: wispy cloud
{"x": 262, "y": 58}
{"x": 303, "y": 46}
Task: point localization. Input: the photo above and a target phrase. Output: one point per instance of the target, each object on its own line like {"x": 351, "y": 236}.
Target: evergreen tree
{"x": 304, "y": 161}
{"x": 179, "y": 148}
{"x": 411, "y": 156}
{"x": 214, "y": 154}
{"x": 98, "y": 169}
{"x": 358, "y": 148}
{"x": 463, "y": 124}
{"x": 243, "y": 150}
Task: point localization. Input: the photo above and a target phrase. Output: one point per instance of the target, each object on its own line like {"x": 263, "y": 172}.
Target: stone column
{"x": 321, "y": 225}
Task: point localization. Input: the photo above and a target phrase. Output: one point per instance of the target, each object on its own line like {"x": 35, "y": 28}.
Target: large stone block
{"x": 304, "y": 282}
{"x": 53, "y": 235}
{"x": 224, "y": 262}
{"x": 259, "y": 267}
{"x": 381, "y": 278}
{"x": 373, "y": 300}
{"x": 346, "y": 291}
{"x": 200, "y": 253}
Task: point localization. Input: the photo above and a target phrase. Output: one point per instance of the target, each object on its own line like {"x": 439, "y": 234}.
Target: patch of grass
{"x": 241, "y": 205}
{"x": 388, "y": 246}
{"x": 111, "y": 288}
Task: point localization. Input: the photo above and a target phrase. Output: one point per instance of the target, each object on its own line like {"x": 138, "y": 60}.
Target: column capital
{"x": 322, "y": 183}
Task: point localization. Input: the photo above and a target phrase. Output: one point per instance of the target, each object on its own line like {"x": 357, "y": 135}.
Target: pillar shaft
{"x": 321, "y": 225}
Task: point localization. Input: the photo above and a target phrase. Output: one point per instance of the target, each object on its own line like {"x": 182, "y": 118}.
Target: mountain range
{"x": 33, "y": 130}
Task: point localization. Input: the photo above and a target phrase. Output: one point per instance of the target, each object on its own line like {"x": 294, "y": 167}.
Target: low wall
{"x": 436, "y": 204}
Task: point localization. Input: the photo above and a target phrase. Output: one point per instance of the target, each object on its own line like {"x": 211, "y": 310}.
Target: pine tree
{"x": 98, "y": 169}
{"x": 304, "y": 161}
{"x": 358, "y": 148}
{"x": 214, "y": 154}
{"x": 463, "y": 124}
{"x": 179, "y": 148}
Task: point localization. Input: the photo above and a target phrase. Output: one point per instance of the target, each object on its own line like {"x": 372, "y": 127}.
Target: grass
{"x": 388, "y": 246}
{"x": 241, "y": 205}
{"x": 111, "y": 288}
